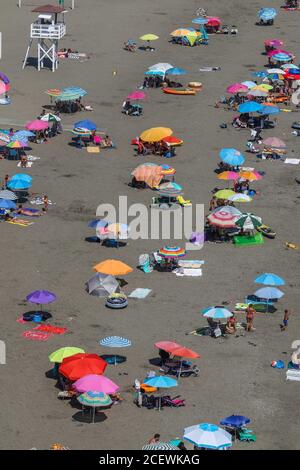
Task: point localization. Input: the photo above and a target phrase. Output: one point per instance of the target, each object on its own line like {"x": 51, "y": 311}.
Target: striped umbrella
{"x": 94, "y": 400}
{"x": 229, "y": 209}
{"x": 17, "y": 144}
{"x": 115, "y": 342}
{"x": 159, "y": 446}
{"x": 208, "y": 436}
{"x": 216, "y": 312}
{"x": 49, "y": 117}
{"x": 281, "y": 57}
{"x": 172, "y": 252}
{"x": 222, "y": 219}
{"x": 170, "y": 189}
{"x": 80, "y": 131}
{"x": 6, "y": 194}
{"x": 248, "y": 221}
{"x": 240, "y": 197}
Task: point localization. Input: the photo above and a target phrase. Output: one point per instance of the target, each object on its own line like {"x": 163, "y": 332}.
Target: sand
{"x": 235, "y": 376}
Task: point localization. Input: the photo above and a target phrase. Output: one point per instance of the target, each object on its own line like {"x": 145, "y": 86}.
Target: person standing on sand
{"x": 6, "y": 178}
{"x": 46, "y": 202}
{"x": 285, "y": 322}
{"x": 250, "y": 317}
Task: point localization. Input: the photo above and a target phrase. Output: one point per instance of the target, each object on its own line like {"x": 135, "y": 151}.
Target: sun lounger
{"x": 21, "y": 222}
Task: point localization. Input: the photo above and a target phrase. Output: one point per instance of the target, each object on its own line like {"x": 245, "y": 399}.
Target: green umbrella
{"x": 60, "y": 354}
{"x": 248, "y": 221}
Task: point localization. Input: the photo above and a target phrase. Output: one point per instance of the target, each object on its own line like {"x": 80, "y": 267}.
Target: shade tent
{"x": 102, "y": 285}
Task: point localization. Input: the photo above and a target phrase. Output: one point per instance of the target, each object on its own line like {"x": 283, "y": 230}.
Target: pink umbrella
{"x": 274, "y": 142}
{"x": 137, "y": 95}
{"x": 237, "y": 88}
{"x": 273, "y": 42}
{"x": 37, "y": 125}
{"x": 3, "y": 87}
{"x": 277, "y": 51}
{"x": 96, "y": 383}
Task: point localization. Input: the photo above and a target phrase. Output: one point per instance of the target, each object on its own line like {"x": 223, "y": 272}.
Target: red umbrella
{"x": 222, "y": 219}
{"x": 79, "y": 365}
{"x": 172, "y": 140}
{"x": 176, "y": 349}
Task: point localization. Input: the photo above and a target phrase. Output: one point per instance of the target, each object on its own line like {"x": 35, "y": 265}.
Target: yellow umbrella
{"x": 149, "y": 37}
{"x": 113, "y": 267}
{"x": 180, "y": 32}
{"x": 224, "y": 194}
{"x": 263, "y": 87}
{"x": 156, "y": 134}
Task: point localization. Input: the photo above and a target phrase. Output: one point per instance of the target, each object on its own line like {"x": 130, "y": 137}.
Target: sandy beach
{"x": 235, "y": 373}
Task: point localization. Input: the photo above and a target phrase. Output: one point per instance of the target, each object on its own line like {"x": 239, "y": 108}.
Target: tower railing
{"x": 47, "y": 31}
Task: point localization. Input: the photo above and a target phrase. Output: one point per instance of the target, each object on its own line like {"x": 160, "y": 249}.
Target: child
{"x": 285, "y": 322}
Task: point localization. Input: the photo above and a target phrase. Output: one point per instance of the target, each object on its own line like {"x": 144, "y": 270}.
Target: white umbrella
{"x": 161, "y": 67}
{"x": 209, "y": 436}
{"x": 240, "y": 197}
{"x": 279, "y": 71}
{"x": 6, "y": 194}
{"x": 257, "y": 93}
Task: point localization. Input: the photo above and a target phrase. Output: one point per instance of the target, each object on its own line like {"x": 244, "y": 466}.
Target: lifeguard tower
{"x": 48, "y": 29}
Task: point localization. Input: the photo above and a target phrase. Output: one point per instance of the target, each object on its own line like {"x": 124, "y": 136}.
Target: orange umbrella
{"x": 176, "y": 349}
{"x": 113, "y": 267}
{"x": 250, "y": 175}
{"x": 150, "y": 174}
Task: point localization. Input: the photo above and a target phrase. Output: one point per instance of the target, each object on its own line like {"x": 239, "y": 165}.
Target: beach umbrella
{"x": 4, "y": 78}
{"x": 216, "y": 313}
{"x": 155, "y": 134}
{"x": 96, "y": 223}
{"x": 232, "y": 156}
{"x": 159, "y": 446}
{"x": 7, "y": 204}
{"x": 222, "y": 219}
{"x": 37, "y": 125}
{"x": 176, "y": 71}
{"x": 257, "y": 93}
{"x": 22, "y": 135}
{"x": 41, "y": 297}
{"x": 249, "y": 84}
{"x": 269, "y": 279}
{"x": 237, "y": 88}
{"x": 267, "y": 14}
{"x": 166, "y": 345}
{"x": 49, "y": 117}
{"x": 94, "y": 400}
{"x": 102, "y": 285}
{"x": 192, "y": 37}
{"x": 249, "y": 107}
{"x": 81, "y": 364}
{"x": 288, "y": 66}
{"x": 248, "y": 221}
{"x": 260, "y": 74}
{"x": 161, "y": 381}
{"x": 200, "y": 21}
{"x": 263, "y": 86}
{"x": 172, "y": 141}
{"x": 268, "y": 110}
{"x": 19, "y": 184}
{"x": 240, "y": 197}
{"x": 180, "y": 32}
{"x": 181, "y": 351}
{"x": 213, "y": 21}
{"x": 279, "y": 51}
{"x": 229, "y": 209}
{"x": 235, "y": 421}
{"x": 60, "y": 354}
{"x": 172, "y": 252}
{"x": 250, "y": 175}
{"x": 82, "y": 132}
{"x": 208, "y": 436}
{"x": 97, "y": 383}
{"x": 118, "y": 230}
{"x": 136, "y": 95}
{"x": 6, "y": 194}
{"x": 224, "y": 193}
{"x": 4, "y": 88}
{"x": 170, "y": 186}
{"x": 149, "y": 37}
{"x": 53, "y": 92}
{"x": 4, "y": 137}
{"x": 281, "y": 57}
{"x": 273, "y": 42}
{"x": 269, "y": 293}
{"x": 155, "y": 72}
{"x": 228, "y": 175}
{"x": 86, "y": 124}
{"x": 275, "y": 71}
{"x": 150, "y": 174}
{"x": 21, "y": 176}
{"x": 161, "y": 67}
{"x": 115, "y": 342}
{"x": 17, "y": 144}
{"x": 113, "y": 267}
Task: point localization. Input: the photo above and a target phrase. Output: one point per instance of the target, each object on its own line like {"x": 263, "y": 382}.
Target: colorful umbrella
{"x": 4, "y": 78}
{"x": 22, "y": 135}
{"x": 161, "y": 67}
{"x": 216, "y": 313}
{"x": 17, "y": 144}
{"x": 208, "y": 436}
{"x": 229, "y": 209}
{"x": 279, "y": 51}
{"x": 155, "y": 134}
{"x": 249, "y": 84}
{"x": 176, "y": 71}
{"x": 50, "y": 118}
{"x": 257, "y": 93}
{"x": 80, "y": 131}
{"x": 224, "y": 194}
{"x": 250, "y": 175}
{"x": 159, "y": 446}
{"x": 81, "y": 364}
{"x": 269, "y": 293}
{"x": 96, "y": 223}
{"x": 41, "y": 297}
{"x": 273, "y": 42}
{"x": 136, "y": 95}
{"x": 240, "y": 197}
{"x": 228, "y": 175}
{"x": 172, "y": 252}
{"x": 180, "y": 32}
{"x": 60, "y": 354}
{"x": 161, "y": 381}
{"x": 37, "y": 125}
{"x": 200, "y": 21}
{"x": 115, "y": 342}
{"x": 118, "y": 230}
{"x": 97, "y": 383}
{"x": 170, "y": 186}
{"x": 172, "y": 140}
{"x": 281, "y": 57}
{"x": 113, "y": 267}
{"x": 149, "y": 37}
{"x": 269, "y": 279}
{"x": 249, "y": 107}
{"x": 85, "y": 124}
{"x": 222, "y": 219}
{"x": 248, "y": 221}
{"x": 237, "y": 88}
{"x": 95, "y": 399}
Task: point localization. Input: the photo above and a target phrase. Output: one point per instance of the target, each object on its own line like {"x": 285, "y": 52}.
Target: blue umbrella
{"x": 269, "y": 279}
{"x": 249, "y": 107}
{"x": 176, "y": 71}
{"x": 260, "y": 74}
{"x": 86, "y": 124}
{"x": 232, "y": 156}
{"x": 267, "y": 13}
{"x": 74, "y": 90}
{"x": 161, "y": 381}
{"x": 115, "y": 342}
{"x": 235, "y": 421}
{"x": 294, "y": 72}
{"x": 155, "y": 72}
{"x": 267, "y": 110}
{"x": 96, "y": 223}
{"x": 7, "y": 204}
{"x": 23, "y": 176}
{"x": 200, "y": 21}
{"x": 269, "y": 293}
{"x": 281, "y": 57}
{"x": 22, "y": 135}
{"x": 216, "y": 312}
{"x": 18, "y": 185}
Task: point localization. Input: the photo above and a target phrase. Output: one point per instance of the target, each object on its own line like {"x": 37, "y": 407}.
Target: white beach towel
{"x": 139, "y": 293}
{"x": 188, "y": 272}
{"x": 28, "y": 164}
{"x": 292, "y": 161}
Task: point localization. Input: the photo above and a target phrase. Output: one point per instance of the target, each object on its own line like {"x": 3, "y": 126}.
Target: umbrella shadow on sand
{"x": 92, "y": 239}
{"x": 28, "y": 316}
{"x": 155, "y": 361}
{"x": 87, "y": 417}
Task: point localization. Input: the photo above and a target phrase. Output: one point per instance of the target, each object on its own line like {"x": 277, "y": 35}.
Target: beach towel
{"x": 29, "y": 212}
{"x": 292, "y": 161}
{"x": 188, "y": 272}
{"x": 28, "y": 164}
{"x": 21, "y": 321}
{"x": 56, "y": 330}
{"x": 93, "y": 149}
{"x": 36, "y": 335}
{"x": 32, "y": 158}
{"x": 140, "y": 293}
{"x": 21, "y": 222}
{"x": 190, "y": 263}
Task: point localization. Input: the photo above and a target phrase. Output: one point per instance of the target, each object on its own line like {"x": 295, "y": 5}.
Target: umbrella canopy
{"x": 172, "y": 252}
{"x": 228, "y": 175}
{"x": 176, "y": 71}
{"x": 17, "y": 144}
{"x": 177, "y": 350}
{"x": 237, "y": 88}
{"x": 7, "y": 204}
{"x": 170, "y": 186}
{"x": 231, "y": 156}
{"x": 160, "y": 446}
{"x": 180, "y": 32}
{"x": 248, "y": 221}
{"x": 166, "y": 345}
{"x": 23, "y": 176}
{"x": 81, "y": 364}
{"x": 60, "y": 354}
{"x": 240, "y": 197}
{"x": 136, "y": 95}
{"x": 213, "y": 21}
{"x": 155, "y": 72}
{"x": 208, "y": 436}
{"x": 249, "y": 84}
{"x": 224, "y": 194}
{"x": 19, "y": 184}
{"x": 95, "y": 399}
{"x": 150, "y": 174}
{"x": 155, "y": 134}
{"x": 161, "y": 381}
{"x": 4, "y": 88}
{"x": 267, "y": 13}
{"x": 250, "y": 175}
{"x": 281, "y": 57}
{"x": 249, "y": 107}
{"x": 149, "y": 37}
{"x": 273, "y": 42}
{"x": 81, "y": 131}
{"x": 257, "y": 93}
{"x": 260, "y": 74}
{"x": 216, "y": 312}
{"x": 172, "y": 140}
{"x": 49, "y": 117}
{"x": 269, "y": 293}
{"x": 113, "y": 267}
{"x": 267, "y": 110}
{"x": 41, "y": 297}
{"x": 222, "y": 219}
{"x": 22, "y": 135}
{"x": 97, "y": 383}
{"x": 229, "y": 209}
{"x": 115, "y": 342}
{"x": 235, "y": 421}
{"x": 200, "y": 21}
{"x": 4, "y": 78}
{"x": 274, "y": 142}
{"x": 269, "y": 279}
{"x": 86, "y": 124}
{"x": 161, "y": 66}
{"x": 279, "y": 51}
{"x": 4, "y": 137}
{"x": 96, "y": 223}
{"x": 37, "y": 125}
{"x": 102, "y": 285}
{"x": 6, "y": 194}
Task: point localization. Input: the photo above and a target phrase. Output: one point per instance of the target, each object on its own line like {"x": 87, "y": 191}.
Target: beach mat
{"x": 36, "y": 335}
{"x": 93, "y": 149}
{"x": 22, "y": 223}
{"x": 240, "y": 240}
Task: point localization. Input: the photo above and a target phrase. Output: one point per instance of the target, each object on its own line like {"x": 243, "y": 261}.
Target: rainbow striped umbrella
{"x": 94, "y": 399}
{"x": 172, "y": 252}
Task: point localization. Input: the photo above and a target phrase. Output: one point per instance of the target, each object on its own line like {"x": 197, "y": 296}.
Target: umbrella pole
{"x": 94, "y": 412}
